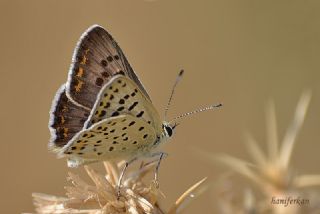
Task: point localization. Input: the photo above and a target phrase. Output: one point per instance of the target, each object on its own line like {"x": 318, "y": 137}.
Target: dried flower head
{"x": 101, "y": 198}
{"x": 272, "y": 171}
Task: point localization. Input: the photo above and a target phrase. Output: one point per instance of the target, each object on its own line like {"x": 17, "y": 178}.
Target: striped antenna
{"x": 212, "y": 107}
{"x": 179, "y": 77}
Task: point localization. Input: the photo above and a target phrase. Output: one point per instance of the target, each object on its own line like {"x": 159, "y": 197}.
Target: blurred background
{"x": 240, "y": 53}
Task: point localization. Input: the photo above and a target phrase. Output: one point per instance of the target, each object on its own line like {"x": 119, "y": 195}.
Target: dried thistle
{"x": 101, "y": 198}
{"x": 272, "y": 172}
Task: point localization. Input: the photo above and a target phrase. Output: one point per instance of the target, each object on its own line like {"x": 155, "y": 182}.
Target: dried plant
{"x": 101, "y": 198}
{"x": 272, "y": 173}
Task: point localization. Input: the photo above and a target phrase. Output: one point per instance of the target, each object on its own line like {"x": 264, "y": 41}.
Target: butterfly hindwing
{"x": 96, "y": 59}
{"x": 112, "y": 138}
{"x": 122, "y": 96}
{"x": 66, "y": 119}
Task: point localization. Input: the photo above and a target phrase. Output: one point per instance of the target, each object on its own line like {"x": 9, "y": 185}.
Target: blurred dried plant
{"x": 101, "y": 198}
{"x": 272, "y": 173}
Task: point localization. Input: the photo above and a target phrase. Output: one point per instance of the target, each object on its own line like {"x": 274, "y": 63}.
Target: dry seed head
{"x": 101, "y": 198}
{"x": 272, "y": 171}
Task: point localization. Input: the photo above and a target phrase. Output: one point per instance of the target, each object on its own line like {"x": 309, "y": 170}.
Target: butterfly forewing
{"x": 103, "y": 112}
{"x": 96, "y": 59}
{"x": 113, "y": 138}
{"x": 122, "y": 96}
{"x": 66, "y": 119}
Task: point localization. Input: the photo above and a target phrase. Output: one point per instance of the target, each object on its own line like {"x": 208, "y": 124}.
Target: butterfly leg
{"x": 121, "y": 176}
{"x": 156, "y": 174}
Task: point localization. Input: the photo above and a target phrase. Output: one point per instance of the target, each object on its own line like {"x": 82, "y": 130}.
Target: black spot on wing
{"x": 141, "y": 128}
{"x": 132, "y": 106}
{"x": 103, "y": 113}
{"x": 99, "y": 81}
{"x": 121, "y": 101}
{"x": 105, "y": 74}
{"x": 104, "y": 63}
{"x": 116, "y": 113}
{"x": 140, "y": 114}
{"x": 109, "y": 58}
{"x": 120, "y": 108}
{"x": 107, "y": 105}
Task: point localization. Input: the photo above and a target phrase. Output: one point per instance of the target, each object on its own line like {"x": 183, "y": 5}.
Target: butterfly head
{"x": 168, "y": 129}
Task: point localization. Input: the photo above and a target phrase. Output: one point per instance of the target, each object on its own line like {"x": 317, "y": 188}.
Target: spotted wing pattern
{"x": 96, "y": 59}
{"x": 122, "y": 96}
{"x": 119, "y": 137}
{"x": 66, "y": 119}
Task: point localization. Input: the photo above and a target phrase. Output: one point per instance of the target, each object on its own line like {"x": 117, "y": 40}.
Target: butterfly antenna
{"x": 172, "y": 92}
{"x": 197, "y": 111}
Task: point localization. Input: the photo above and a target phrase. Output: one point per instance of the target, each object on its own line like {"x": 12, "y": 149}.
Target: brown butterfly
{"x": 103, "y": 112}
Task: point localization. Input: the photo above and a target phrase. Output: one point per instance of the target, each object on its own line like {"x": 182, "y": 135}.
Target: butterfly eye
{"x": 169, "y": 130}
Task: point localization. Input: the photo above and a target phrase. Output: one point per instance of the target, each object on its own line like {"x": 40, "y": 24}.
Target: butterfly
{"x": 103, "y": 112}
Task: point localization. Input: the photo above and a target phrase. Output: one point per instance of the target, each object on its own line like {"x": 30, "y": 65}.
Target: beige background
{"x": 241, "y": 53}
